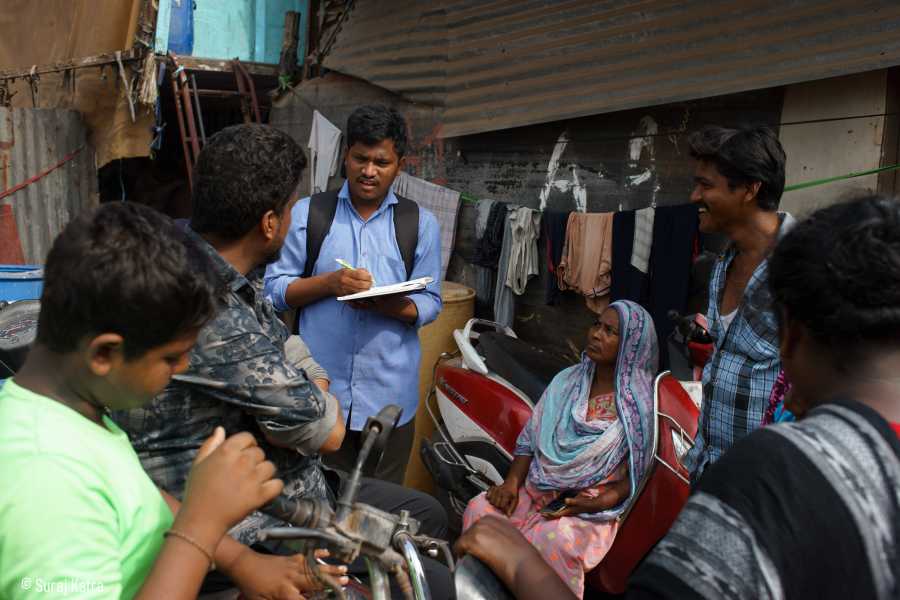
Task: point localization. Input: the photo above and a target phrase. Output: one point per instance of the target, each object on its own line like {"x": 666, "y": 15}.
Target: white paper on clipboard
{"x": 407, "y": 287}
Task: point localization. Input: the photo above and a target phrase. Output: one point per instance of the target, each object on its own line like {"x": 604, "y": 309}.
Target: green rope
{"x": 468, "y": 198}
{"x": 809, "y": 184}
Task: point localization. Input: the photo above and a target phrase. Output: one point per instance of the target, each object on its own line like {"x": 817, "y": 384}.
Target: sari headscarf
{"x": 572, "y": 453}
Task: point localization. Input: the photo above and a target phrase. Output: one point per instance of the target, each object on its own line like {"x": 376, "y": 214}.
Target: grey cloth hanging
{"x": 504, "y": 301}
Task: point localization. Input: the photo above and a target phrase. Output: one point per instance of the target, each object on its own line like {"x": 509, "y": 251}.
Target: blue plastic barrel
{"x": 181, "y": 27}
{"x": 21, "y": 282}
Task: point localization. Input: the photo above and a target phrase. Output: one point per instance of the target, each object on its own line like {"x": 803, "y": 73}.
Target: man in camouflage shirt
{"x": 246, "y": 371}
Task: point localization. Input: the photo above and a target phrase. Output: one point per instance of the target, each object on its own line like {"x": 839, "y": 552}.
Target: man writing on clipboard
{"x": 370, "y": 348}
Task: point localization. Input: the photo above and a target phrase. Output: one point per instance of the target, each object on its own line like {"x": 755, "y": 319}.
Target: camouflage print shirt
{"x": 243, "y": 375}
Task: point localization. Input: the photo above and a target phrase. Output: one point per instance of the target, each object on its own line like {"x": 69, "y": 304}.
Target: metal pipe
{"x": 199, "y": 113}
{"x": 416, "y": 571}
{"x": 242, "y": 73}
{"x": 188, "y": 113}
{"x": 181, "y": 128}
{"x": 378, "y": 581}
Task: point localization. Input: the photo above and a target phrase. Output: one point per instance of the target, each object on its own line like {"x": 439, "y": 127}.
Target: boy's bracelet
{"x": 195, "y": 544}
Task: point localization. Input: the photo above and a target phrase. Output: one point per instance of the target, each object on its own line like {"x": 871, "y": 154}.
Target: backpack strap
{"x": 322, "y": 207}
{"x": 406, "y": 229}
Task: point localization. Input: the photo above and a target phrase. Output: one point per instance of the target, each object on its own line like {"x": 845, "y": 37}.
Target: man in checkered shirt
{"x": 738, "y": 182}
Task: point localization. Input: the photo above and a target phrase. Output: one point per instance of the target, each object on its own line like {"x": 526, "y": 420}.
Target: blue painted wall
{"x": 224, "y": 29}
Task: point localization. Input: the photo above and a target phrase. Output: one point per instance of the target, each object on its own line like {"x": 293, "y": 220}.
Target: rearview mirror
{"x": 381, "y": 426}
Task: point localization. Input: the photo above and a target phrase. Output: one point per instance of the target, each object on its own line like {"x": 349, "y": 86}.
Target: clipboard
{"x": 407, "y": 287}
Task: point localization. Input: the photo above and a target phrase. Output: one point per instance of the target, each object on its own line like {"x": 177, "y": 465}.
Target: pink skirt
{"x": 571, "y": 545}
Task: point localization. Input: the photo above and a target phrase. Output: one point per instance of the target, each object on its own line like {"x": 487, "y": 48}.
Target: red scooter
{"x": 485, "y": 393}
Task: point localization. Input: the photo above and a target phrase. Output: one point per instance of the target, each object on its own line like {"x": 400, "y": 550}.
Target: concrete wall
{"x": 832, "y": 148}
{"x": 250, "y": 30}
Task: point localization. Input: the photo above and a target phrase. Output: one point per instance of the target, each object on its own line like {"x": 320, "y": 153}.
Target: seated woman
{"x": 590, "y": 431}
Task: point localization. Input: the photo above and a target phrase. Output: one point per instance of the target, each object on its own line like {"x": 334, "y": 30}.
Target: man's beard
{"x": 273, "y": 257}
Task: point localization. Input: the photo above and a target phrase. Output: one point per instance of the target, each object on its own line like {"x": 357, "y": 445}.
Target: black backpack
{"x": 322, "y": 207}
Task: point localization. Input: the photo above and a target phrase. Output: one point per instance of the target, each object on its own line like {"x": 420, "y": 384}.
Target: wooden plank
{"x": 192, "y": 63}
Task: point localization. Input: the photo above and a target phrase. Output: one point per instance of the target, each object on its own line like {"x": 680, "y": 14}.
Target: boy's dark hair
{"x": 125, "y": 269}
{"x": 838, "y": 273}
{"x": 372, "y": 123}
{"x": 744, "y": 156}
{"x": 243, "y": 172}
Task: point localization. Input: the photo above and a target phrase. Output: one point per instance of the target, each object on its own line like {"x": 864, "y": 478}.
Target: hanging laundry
{"x": 487, "y": 252}
{"x": 324, "y": 150}
{"x": 482, "y": 212}
{"x": 587, "y": 258}
{"x": 643, "y": 238}
{"x": 554, "y": 226}
{"x": 627, "y": 282}
{"x": 674, "y": 233}
{"x": 504, "y": 301}
{"x": 525, "y": 228}
{"x": 484, "y": 276}
{"x": 443, "y": 204}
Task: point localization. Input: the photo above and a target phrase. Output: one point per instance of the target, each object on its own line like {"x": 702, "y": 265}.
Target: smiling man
{"x": 738, "y": 182}
{"x": 370, "y": 349}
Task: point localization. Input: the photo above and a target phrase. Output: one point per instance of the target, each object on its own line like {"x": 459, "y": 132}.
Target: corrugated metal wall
{"x": 508, "y": 63}
{"x": 32, "y": 141}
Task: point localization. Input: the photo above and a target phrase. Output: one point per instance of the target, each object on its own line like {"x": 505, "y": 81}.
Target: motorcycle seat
{"x": 18, "y": 328}
{"x": 528, "y": 367}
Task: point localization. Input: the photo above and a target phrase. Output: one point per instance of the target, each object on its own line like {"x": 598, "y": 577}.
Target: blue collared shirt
{"x": 738, "y": 379}
{"x": 372, "y": 360}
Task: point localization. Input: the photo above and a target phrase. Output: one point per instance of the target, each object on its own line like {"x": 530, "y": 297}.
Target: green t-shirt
{"x": 79, "y": 517}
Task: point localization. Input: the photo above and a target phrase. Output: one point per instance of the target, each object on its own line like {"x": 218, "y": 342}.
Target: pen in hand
{"x": 344, "y": 264}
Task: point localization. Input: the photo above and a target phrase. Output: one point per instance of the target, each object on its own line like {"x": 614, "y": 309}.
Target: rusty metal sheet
{"x": 32, "y": 141}
{"x": 507, "y": 63}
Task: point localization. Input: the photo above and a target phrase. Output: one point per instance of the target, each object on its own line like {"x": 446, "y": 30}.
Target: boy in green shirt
{"x": 123, "y": 301}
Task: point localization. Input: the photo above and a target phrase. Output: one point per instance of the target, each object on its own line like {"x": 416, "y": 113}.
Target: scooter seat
{"x": 529, "y": 368}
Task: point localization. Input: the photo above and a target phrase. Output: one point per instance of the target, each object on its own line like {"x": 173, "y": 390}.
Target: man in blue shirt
{"x": 370, "y": 349}
{"x": 738, "y": 182}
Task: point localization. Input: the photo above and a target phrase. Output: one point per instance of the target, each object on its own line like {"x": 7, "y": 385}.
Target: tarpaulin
{"x": 53, "y": 31}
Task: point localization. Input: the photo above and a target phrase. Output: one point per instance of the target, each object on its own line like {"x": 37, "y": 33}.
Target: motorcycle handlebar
{"x": 688, "y": 328}
{"x": 300, "y": 513}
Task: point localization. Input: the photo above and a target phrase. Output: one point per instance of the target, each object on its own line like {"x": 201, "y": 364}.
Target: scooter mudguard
{"x": 474, "y": 407}
{"x": 665, "y": 490}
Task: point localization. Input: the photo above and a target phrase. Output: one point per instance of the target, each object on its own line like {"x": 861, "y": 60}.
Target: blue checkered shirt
{"x": 738, "y": 379}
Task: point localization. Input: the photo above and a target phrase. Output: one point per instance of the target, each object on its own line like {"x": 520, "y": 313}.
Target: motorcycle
{"x": 485, "y": 392}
